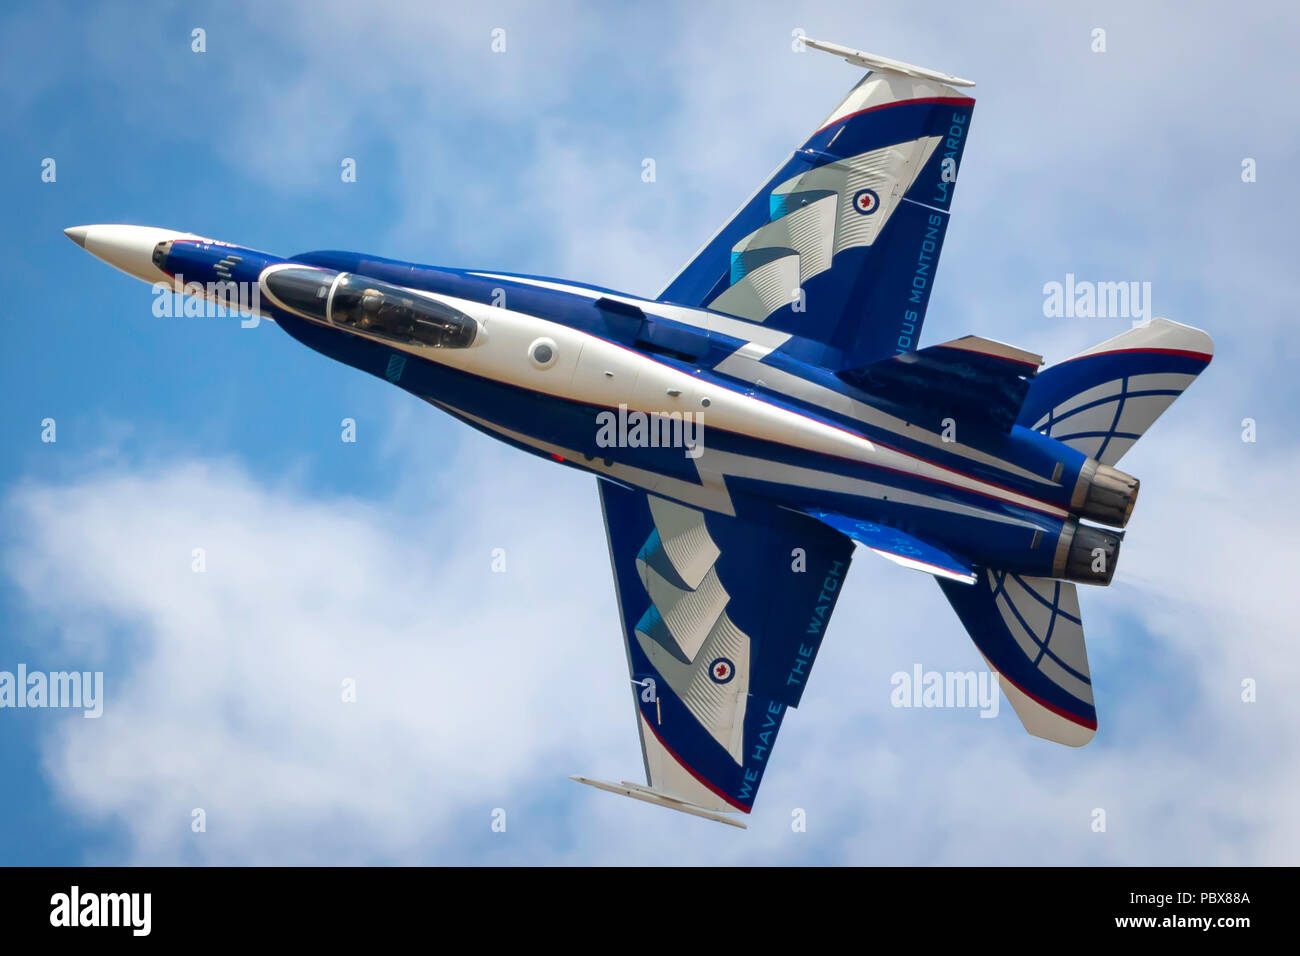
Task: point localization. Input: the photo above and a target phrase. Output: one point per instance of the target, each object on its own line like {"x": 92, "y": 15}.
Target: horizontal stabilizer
{"x": 971, "y": 380}
{"x": 637, "y": 792}
{"x": 900, "y": 547}
{"x": 993, "y": 357}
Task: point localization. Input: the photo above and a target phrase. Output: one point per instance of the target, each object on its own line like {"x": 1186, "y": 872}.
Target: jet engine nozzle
{"x": 1105, "y": 494}
{"x": 1086, "y": 554}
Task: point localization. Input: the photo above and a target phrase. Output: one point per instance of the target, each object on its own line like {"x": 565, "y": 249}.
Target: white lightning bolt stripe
{"x": 732, "y": 410}
{"x": 744, "y": 364}
{"x": 716, "y": 466}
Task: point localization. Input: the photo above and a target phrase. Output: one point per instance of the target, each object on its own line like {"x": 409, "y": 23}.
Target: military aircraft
{"x": 767, "y": 413}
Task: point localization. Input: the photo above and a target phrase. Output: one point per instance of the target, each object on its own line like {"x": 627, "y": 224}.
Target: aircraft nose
{"x": 129, "y": 248}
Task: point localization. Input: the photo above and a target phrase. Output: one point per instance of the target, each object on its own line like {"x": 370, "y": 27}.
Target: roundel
{"x": 866, "y": 201}
{"x": 722, "y": 670}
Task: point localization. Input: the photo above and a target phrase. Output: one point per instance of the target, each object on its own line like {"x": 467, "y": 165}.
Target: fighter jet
{"x": 767, "y": 413}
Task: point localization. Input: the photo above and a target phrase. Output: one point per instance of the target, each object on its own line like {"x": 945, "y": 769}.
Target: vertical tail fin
{"x": 1031, "y": 633}
{"x": 1102, "y": 400}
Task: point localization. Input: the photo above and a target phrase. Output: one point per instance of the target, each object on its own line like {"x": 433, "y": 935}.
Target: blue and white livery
{"x": 769, "y": 412}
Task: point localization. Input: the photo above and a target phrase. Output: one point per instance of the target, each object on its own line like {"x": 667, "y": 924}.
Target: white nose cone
{"x": 129, "y": 248}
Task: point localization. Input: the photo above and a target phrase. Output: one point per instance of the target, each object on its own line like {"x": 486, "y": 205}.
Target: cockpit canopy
{"x": 304, "y": 291}
{"x": 367, "y": 305}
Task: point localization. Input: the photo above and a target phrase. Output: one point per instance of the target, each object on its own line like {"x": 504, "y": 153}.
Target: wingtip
{"x": 873, "y": 61}
{"x": 649, "y": 795}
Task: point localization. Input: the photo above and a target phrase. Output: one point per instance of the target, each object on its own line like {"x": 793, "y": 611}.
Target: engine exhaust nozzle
{"x": 1104, "y": 494}
{"x": 1085, "y": 554}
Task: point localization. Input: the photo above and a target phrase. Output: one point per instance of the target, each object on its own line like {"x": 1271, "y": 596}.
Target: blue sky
{"x": 371, "y": 560}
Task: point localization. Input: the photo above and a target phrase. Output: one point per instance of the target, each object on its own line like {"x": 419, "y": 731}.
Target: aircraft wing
{"x": 840, "y": 246}
{"x": 722, "y": 620}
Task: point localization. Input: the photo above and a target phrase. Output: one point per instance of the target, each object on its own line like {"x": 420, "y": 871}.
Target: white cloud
{"x": 480, "y": 690}
{"x": 227, "y": 692}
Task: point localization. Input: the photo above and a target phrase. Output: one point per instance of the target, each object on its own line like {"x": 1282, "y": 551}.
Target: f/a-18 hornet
{"x": 769, "y": 411}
